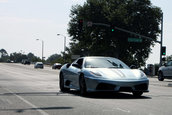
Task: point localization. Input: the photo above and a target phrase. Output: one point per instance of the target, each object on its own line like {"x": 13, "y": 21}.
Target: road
{"x": 28, "y": 91}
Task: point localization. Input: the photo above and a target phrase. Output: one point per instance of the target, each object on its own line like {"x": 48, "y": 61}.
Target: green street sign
{"x": 138, "y": 40}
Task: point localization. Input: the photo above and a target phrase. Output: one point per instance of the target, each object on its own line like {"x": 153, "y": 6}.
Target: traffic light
{"x": 163, "y": 52}
{"x": 112, "y": 28}
{"x": 80, "y": 24}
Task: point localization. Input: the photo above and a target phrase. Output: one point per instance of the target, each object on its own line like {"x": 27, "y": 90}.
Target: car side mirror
{"x": 68, "y": 65}
{"x": 133, "y": 67}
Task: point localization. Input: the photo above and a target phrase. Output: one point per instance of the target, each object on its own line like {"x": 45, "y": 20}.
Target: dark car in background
{"x": 25, "y": 61}
{"x": 39, "y": 65}
{"x": 56, "y": 66}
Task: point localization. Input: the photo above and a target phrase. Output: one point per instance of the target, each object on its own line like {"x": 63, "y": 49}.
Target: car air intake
{"x": 141, "y": 87}
{"x": 104, "y": 86}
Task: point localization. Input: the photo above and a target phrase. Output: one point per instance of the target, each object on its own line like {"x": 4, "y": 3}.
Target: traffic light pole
{"x": 124, "y": 30}
{"x": 141, "y": 36}
{"x": 161, "y": 41}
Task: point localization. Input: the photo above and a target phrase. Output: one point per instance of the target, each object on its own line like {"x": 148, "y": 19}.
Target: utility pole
{"x": 64, "y": 41}
{"x": 42, "y": 49}
{"x": 160, "y": 63}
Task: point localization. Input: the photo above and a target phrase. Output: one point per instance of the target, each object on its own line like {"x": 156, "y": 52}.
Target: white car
{"x": 39, "y": 65}
{"x": 165, "y": 71}
{"x": 92, "y": 74}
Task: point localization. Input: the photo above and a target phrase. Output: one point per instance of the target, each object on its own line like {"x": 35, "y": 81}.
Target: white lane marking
{"x": 126, "y": 111}
{"x": 119, "y": 109}
{"x": 29, "y": 103}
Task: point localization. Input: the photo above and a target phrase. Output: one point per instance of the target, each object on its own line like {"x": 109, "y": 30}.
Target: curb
{"x": 169, "y": 85}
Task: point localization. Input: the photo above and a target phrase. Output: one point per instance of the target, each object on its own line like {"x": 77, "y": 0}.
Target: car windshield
{"x": 104, "y": 63}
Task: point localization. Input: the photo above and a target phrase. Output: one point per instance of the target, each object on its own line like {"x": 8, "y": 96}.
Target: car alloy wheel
{"x": 61, "y": 83}
{"x": 160, "y": 76}
{"x": 82, "y": 85}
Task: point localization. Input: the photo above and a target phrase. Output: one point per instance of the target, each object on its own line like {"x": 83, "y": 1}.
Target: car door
{"x": 167, "y": 69}
{"x": 170, "y": 69}
{"x": 75, "y": 73}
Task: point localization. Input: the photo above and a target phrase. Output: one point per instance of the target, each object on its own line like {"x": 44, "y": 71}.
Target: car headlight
{"x": 143, "y": 76}
{"x": 95, "y": 74}
{"x": 139, "y": 74}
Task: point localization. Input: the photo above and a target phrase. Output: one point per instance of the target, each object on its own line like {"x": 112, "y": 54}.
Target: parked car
{"x": 39, "y": 65}
{"x": 165, "y": 71}
{"x": 56, "y": 66}
{"x": 91, "y": 74}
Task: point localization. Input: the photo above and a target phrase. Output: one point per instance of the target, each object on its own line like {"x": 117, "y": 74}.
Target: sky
{"x": 24, "y": 21}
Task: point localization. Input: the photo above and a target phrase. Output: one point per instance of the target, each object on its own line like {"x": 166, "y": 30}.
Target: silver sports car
{"x": 91, "y": 74}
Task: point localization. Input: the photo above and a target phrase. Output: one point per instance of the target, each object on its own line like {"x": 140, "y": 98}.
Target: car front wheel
{"x": 61, "y": 83}
{"x": 82, "y": 85}
{"x": 160, "y": 76}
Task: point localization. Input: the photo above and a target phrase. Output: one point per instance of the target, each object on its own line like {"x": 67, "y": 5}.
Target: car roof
{"x": 57, "y": 63}
{"x": 39, "y": 62}
{"x": 97, "y": 57}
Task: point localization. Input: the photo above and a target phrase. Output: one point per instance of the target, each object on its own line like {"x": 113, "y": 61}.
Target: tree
{"x": 17, "y": 57}
{"x": 138, "y": 16}
{"x": 53, "y": 58}
{"x": 3, "y": 55}
{"x": 3, "y": 52}
{"x": 168, "y": 58}
{"x": 30, "y": 56}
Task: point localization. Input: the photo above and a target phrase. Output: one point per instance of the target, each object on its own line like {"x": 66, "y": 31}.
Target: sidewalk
{"x": 153, "y": 80}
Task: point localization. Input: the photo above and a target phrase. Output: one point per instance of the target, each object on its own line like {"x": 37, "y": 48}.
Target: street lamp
{"x": 42, "y": 48}
{"x": 64, "y": 41}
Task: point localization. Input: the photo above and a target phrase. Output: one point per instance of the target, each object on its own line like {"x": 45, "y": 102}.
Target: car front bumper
{"x": 117, "y": 85}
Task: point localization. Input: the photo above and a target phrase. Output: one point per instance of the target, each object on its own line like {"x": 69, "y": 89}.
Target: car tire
{"x": 160, "y": 76}
{"x": 82, "y": 86}
{"x": 137, "y": 93}
{"x": 61, "y": 83}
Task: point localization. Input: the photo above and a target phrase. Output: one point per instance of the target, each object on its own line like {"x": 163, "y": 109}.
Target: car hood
{"x": 114, "y": 74}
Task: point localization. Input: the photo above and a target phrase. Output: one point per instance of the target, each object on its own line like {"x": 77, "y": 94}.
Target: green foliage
{"x": 55, "y": 58}
{"x": 138, "y": 16}
{"x": 31, "y": 57}
{"x": 3, "y": 55}
{"x": 17, "y": 57}
{"x": 168, "y": 58}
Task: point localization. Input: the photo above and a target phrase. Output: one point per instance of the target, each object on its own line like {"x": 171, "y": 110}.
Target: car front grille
{"x": 128, "y": 89}
{"x": 141, "y": 87}
{"x": 105, "y": 86}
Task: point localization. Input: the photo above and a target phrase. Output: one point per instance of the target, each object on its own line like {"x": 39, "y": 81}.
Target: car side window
{"x": 169, "y": 63}
{"x": 78, "y": 63}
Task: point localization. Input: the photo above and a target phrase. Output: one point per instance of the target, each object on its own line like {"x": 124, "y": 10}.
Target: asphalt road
{"x": 28, "y": 91}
